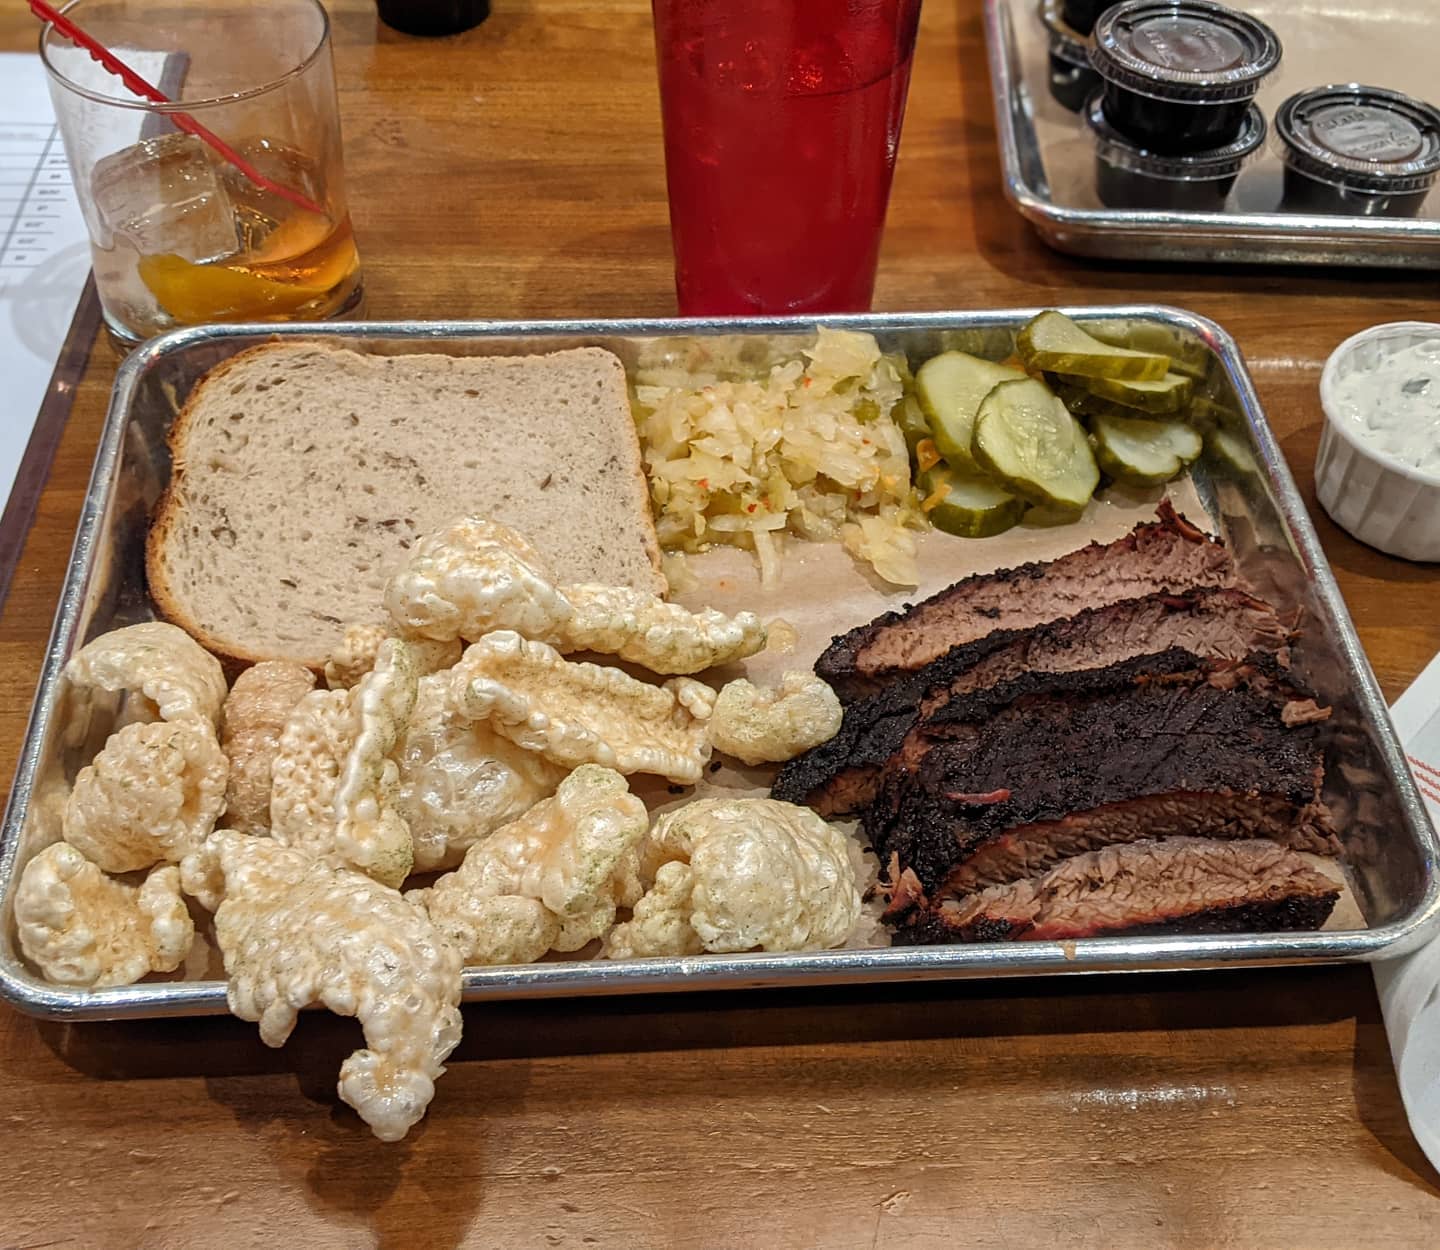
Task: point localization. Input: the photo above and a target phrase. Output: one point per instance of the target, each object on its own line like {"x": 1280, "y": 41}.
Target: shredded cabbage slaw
{"x": 806, "y": 447}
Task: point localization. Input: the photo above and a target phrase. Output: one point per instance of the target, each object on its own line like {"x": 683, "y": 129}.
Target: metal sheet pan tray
{"x": 1048, "y": 161}
{"x": 1247, "y": 496}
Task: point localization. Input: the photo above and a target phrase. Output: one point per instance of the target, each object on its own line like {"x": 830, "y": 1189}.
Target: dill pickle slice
{"x": 1048, "y": 518}
{"x": 910, "y": 420}
{"x": 973, "y": 506}
{"x": 1232, "y": 452}
{"x": 1028, "y": 441}
{"x": 1141, "y": 451}
{"x": 1083, "y": 403}
{"x": 950, "y": 387}
{"x": 1206, "y": 413}
{"x": 1187, "y": 355}
{"x": 1170, "y": 394}
{"x": 1051, "y": 341}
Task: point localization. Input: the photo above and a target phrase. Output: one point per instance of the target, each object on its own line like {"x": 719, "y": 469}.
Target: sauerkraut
{"x": 742, "y": 449}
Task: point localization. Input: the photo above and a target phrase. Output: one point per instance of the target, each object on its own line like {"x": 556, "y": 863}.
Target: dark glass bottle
{"x": 432, "y": 17}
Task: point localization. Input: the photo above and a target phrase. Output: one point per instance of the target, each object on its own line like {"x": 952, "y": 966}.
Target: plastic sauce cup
{"x": 1081, "y": 15}
{"x": 1180, "y": 74}
{"x": 1129, "y": 176}
{"x": 1072, "y": 80}
{"x": 1363, "y": 151}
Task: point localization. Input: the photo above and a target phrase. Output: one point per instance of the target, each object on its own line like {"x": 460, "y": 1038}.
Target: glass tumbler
{"x": 180, "y": 235}
{"x": 781, "y": 126}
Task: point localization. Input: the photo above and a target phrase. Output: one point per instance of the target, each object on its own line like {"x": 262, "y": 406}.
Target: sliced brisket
{"x": 1187, "y": 885}
{"x": 1166, "y": 554}
{"x": 841, "y": 776}
{"x": 1004, "y": 782}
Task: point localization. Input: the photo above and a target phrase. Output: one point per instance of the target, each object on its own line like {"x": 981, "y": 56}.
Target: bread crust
{"x": 171, "y": 601}
{"x": 166, "y": 515}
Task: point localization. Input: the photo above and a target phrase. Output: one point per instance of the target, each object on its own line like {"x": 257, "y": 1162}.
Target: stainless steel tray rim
{"x": 438, "y": 331}
{"x": 1292, "y": 226}
{"x": 1265, "y": 233}
{"x": 1113, "y": 954}
{"x": 777, "y": 971}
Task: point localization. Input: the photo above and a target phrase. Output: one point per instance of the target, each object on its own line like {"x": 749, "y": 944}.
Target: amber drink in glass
{"x": 179, "y": 234}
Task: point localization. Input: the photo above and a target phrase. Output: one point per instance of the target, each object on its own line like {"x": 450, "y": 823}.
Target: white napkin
{"x": 1410, "y": 987}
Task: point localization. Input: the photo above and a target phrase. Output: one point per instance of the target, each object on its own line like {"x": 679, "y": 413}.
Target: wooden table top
{"x": 517, "y": 171}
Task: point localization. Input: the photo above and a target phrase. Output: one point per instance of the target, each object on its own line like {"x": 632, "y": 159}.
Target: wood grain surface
{"x": 517, "y": 171}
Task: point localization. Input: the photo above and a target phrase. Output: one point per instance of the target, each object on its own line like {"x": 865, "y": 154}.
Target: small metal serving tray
{"x": 1048, "y": 161}
{"x": 1390, "y": 849}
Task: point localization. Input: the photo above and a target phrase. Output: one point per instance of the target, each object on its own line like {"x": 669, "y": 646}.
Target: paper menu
{"x": 44, "y": 250}
{"x": 37, "y": 197}
{"x": 39, "y": 217}
{"x": 44, "y": 268}
{"x": 44, "y": 265}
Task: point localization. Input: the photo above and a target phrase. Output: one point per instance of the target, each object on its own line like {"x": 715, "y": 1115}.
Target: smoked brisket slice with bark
{"x": 1167, "y": 554}
{"x": 1001, "y": 784}
{"x": 1179, "y": 885}
{"x": 841, "y": 776}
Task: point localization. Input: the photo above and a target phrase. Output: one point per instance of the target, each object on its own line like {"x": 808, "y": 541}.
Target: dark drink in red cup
{"x": 782, "y": 121}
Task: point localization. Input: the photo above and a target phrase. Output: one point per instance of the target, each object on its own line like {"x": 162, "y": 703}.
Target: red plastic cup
{"x": 782, "y": 121}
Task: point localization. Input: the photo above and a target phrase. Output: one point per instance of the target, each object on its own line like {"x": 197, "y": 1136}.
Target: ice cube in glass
{"x": 261, "y": 214}
{"x": 163, "y": 196}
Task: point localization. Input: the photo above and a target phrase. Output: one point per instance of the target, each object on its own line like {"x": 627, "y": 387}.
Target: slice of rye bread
{"x": 303, "y": 473}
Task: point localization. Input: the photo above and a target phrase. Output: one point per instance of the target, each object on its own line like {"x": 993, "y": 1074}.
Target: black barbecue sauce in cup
{"x": 1130, "y": 176}
{"x": 1364, "y": 151}
{"x": 1180, "y": 74}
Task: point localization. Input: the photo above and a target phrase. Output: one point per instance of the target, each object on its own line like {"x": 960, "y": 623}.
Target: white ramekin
{"x": 1380, "y": 501}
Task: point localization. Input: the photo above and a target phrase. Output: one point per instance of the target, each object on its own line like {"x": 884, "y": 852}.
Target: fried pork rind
{"x": 694, "y": 696}
{"x": 476, "y": 576}
{"x": 550, "y": 880}
{"x": 152, "y": 793}
{"x": 159, "y": 670}
{"x": 661, "y": 922}
{"x": 663, "y": 637}
{"x": 763, "y": 875}
{"x": 472, "y": 577}
{"x": 81, "y": 927}
{"x": 578, "y": 714}
{"x": 759, "y": 726}
{"x": 256, "y": 709}
{"x": 294, "y": 930}
{"x": 315, "y": 739}
{"x": 460, "y": 780}
{"x": 333, "y": 779}
{"x": 356, "y": 654}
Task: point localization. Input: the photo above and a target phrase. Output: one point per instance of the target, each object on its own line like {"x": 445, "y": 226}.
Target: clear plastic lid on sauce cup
{"x": 1180, "y": 74}
{"x": 1130, "y": 176}
{"x": 1361, "y": 150}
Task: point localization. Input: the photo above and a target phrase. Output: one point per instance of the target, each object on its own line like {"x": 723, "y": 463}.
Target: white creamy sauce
{"x": 1395, "y": 407}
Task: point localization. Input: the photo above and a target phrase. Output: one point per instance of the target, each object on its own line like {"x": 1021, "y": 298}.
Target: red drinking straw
{"x": 112, "y": 63}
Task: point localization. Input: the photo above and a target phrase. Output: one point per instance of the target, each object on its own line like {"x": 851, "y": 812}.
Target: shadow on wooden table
{"x": 314, "y": 1142}
{"x": 1377, "y": 1101}
{"x": 322, "y": 1146}
{"x": 206, "y": 1046}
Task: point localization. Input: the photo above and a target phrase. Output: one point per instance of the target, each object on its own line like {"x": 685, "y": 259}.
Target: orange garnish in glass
{"x": 193, "y": 293}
